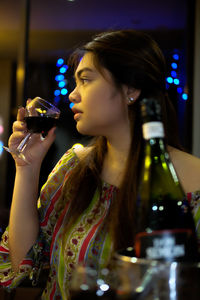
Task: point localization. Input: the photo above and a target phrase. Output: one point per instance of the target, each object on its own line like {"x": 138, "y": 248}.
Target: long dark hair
{"x": 133, "y": 59}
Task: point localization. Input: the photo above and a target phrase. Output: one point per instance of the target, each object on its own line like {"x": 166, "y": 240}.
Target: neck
{"x": 118, "y": 144}
{"x": 117, "y": 152}
{"x": 115, "y": 159}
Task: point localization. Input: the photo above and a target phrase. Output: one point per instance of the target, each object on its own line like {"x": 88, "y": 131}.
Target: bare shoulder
{"x": 81, "y": 151}
{"x": 187, "y": 167}
{"x": 184, "y": 158}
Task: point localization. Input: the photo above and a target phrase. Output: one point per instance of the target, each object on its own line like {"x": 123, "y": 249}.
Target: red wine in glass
{"x": 40, "y": 124}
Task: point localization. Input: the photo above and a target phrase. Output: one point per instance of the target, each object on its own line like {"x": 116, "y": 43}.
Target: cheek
{"x": 100, "y": 96}
{"x": 94, "y": 101}
{"x": 104, "y": 112}
{"x": 102, "y": 102}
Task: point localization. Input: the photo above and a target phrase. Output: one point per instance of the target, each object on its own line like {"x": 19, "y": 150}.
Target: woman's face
{"x": 99, "y": 107}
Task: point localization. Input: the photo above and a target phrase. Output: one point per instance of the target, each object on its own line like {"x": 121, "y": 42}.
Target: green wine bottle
{"x": 165, "y": 225}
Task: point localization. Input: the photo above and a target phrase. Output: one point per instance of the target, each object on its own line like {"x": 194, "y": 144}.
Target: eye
{"x": 84, "y": 80}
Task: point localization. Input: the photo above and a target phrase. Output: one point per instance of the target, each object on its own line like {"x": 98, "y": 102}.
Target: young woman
{"x": 86, "y": 208}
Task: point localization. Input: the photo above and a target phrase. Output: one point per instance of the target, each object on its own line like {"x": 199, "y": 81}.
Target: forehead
{"x": 87, "y": 61}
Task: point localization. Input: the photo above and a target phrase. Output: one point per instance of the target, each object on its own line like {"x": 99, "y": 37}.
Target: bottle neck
{"x": 155, "y": 147}
{"x": 153, "y": 130}
{"x": 153, "y": 134}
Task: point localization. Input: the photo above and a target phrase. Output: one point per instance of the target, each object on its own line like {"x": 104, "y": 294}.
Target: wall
{"x": 5, "y": 104}
{"x": 196, "y": 86}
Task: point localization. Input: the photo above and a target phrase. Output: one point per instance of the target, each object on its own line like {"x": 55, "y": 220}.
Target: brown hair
{"x": 133, "y": 59}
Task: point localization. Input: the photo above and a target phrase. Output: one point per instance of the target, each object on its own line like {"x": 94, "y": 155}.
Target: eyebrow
{"x": 78, "y": 74}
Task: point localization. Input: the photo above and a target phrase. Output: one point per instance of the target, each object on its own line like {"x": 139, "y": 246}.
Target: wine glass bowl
{"x": 88, "y": 283}
{"x": 120, "y": 281}
{"x": 40, "y": 117}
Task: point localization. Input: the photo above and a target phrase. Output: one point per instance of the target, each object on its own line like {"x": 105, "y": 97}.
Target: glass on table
{"x": 40, "y": 117}
{"x": 159, "y": 280}
{"x": 117, "y": 282}
{"x": 87, "y": 283}
{"x": 177, "y": 281}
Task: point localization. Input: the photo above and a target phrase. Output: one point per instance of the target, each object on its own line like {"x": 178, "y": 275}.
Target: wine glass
{"x": 88, "y": 283}
{"x": 122, "y": 280}
{"x": 40, "y": 117}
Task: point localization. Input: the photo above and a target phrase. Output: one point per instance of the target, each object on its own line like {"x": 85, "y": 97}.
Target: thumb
{"x": 49, "y": 139}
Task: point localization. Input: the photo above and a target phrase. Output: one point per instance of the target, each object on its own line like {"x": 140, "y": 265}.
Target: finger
{"x": 32, "y": 111}
{"x": 49, "y": 139}
{"x": 19, "y": 126}
{"x": 21, "y": 114}
{"x": 28, "y": 101}
{"x": 16, "y": 138}
{"x": 17, "y": 135}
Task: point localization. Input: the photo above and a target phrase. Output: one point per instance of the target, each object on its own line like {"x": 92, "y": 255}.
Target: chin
{"x": 85, "y": 131}
{"x": 82, "y": 130}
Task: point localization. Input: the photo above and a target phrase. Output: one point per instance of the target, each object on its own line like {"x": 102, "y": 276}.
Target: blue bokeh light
{"x": 57, "y": 99}
{"x": 64, "y": 91}
{"x": 61, "y": 84}
{"x": 179, "y": 90}
{"x": 173, "y": 73}
{"x": 176, "y": 81}
{"x": 63, "y": 69}
{"x": 59, "y": 77}
{"x": 175, "y": 56}
{"x": 169, "y": 79}
{"x": 174, "y": 65}
{"x": 184, "y": 96}
{"x": 57, "y": 92}
{"x": 1, "y": 148}
{"x": 60, "y": 61}
{"x": 71, "y": 105}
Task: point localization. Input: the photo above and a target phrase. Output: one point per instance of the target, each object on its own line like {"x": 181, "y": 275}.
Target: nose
{"x": 74, "y": 96}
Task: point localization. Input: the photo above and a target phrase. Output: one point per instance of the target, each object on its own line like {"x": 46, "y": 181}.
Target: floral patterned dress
{"x": 87, "y": 240}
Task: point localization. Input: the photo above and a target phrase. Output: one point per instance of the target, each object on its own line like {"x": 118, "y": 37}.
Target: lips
{"x": 77, "y": 113}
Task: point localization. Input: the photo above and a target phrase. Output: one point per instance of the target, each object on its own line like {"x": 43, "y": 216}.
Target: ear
{"x": 132, "y": 95}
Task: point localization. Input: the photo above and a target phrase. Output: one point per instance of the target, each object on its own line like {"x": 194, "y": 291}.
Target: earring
{"x": 130, "y": 100}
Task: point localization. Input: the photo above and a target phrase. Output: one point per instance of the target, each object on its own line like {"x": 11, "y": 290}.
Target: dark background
{"x": 58, "y": 27}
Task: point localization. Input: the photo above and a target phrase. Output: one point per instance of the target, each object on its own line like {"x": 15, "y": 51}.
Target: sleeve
{"x": 49, "y": 209}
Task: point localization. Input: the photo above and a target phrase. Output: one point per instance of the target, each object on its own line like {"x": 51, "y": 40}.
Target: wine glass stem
{"x": 23, "y": 143}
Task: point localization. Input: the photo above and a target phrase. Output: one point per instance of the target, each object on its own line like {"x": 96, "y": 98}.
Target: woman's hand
{"x": 37, "y": 146}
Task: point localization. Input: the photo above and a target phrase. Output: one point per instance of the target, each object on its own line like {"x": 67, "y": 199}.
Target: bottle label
{"x": 164, "y": 245}
{"x": 153, "y": 130}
